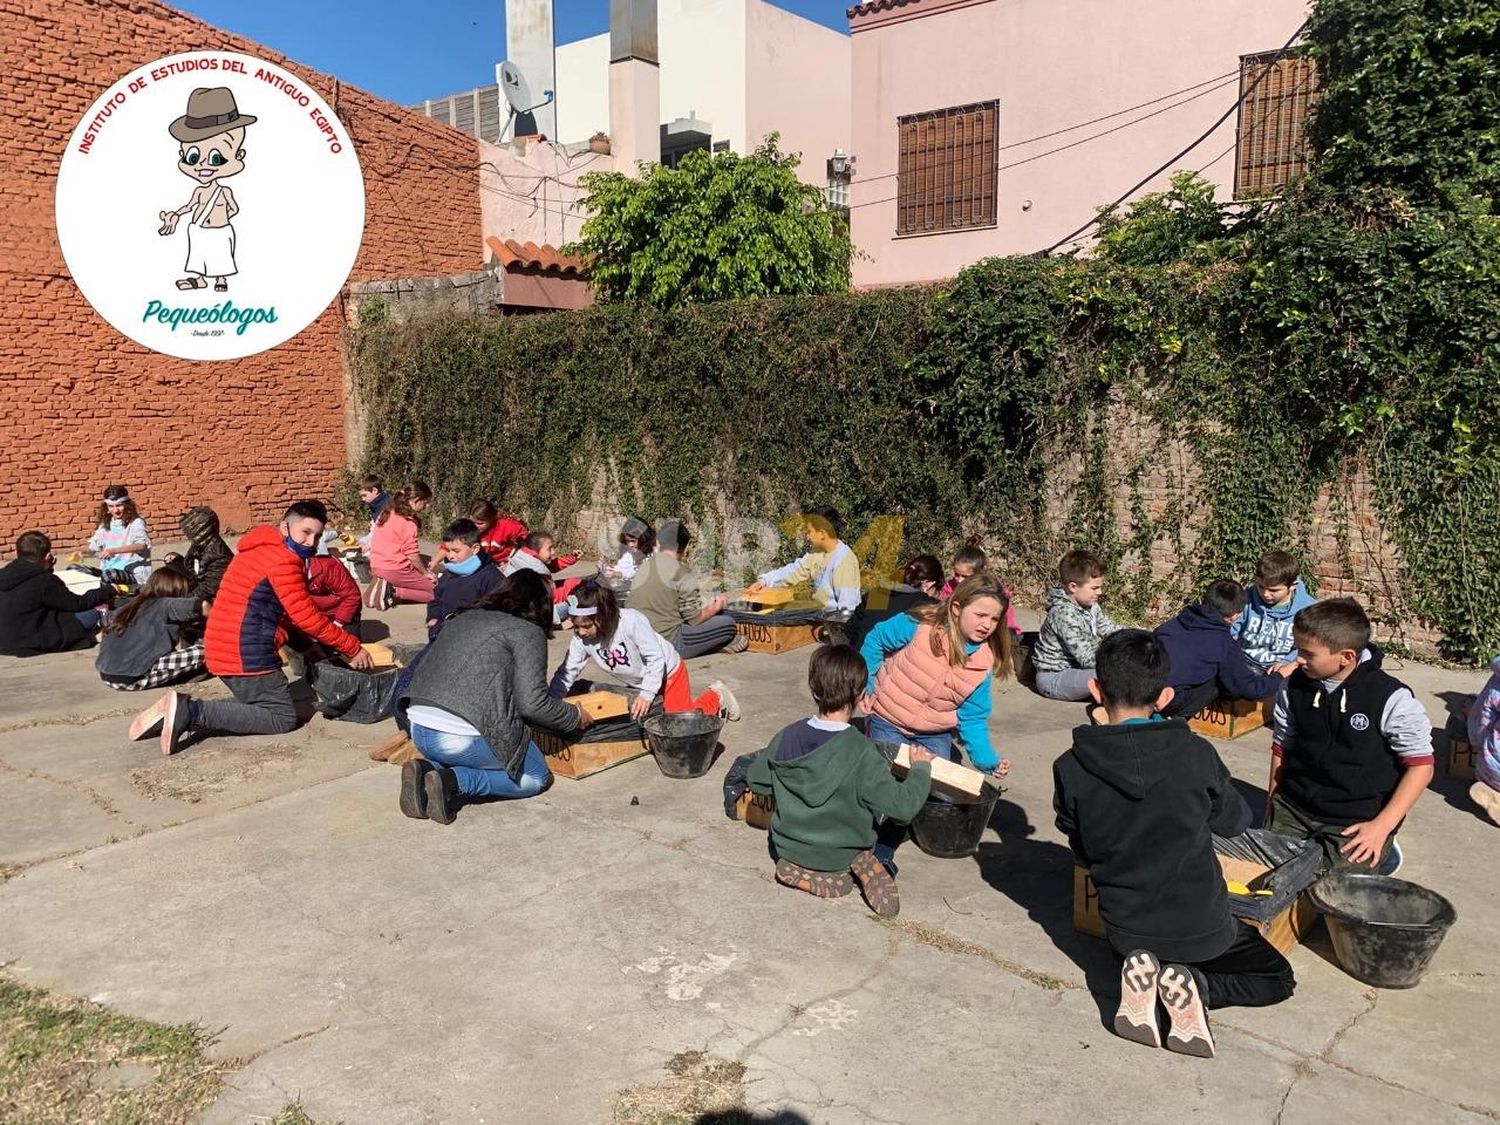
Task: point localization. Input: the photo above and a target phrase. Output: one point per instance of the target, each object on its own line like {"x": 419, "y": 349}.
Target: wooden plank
{"x": 950, "y": 777}
{"x": 404, "y": 754}
{"x": 1229, "y": 718}
{"x": 381, "y": 655}
{"x": 776, "y": 639}
{"x": 602, "y": 704}
{"x": 770, "y": 596}
{"x": 382, "y": 751}
{"x": 583, "y": 759}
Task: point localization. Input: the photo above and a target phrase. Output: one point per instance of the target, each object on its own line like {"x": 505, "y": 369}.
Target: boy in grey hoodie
{"x": 1064, "y": 654}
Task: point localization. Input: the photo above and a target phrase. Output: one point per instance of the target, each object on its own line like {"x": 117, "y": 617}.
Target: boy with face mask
{"x": 468, "y": 575}
{"x": 264, "y": 593}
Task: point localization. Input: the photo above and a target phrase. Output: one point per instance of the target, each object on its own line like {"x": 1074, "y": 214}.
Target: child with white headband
{"x": 622, "y": 642}
{"x": 121, "y": 541}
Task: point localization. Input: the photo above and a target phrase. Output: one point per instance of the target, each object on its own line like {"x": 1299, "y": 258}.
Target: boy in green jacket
{"x": 830, "y": 782}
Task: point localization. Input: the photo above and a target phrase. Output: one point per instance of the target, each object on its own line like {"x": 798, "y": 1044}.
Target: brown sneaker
{"x": 1487, "y": 799}
{"x": 1189, "y": 1034}
{"x": 823, "y": 884}
{"x": 739, "y": 644}
{"x": 1136, "y": 1017}
{"x": 876, "y": 884}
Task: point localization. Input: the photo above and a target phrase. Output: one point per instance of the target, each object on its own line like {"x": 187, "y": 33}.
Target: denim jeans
{"x": 939, "y": 744}
{"x": 1070, "y": 685}
{"x": 90, "y": 619}
{"x": 476, "y": 767}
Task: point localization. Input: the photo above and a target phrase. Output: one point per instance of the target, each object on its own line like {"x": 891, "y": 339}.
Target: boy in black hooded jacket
{"x": 1140, "y": 800}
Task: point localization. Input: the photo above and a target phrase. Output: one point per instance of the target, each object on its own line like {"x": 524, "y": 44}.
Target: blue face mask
{"x": 468, "y": 566}
{"x": 298, "y": 549}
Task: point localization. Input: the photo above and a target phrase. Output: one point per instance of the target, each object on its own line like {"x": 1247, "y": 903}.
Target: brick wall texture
{"x": 85, "y": 407}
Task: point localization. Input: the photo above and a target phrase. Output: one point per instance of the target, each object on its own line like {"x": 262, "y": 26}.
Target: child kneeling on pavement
{"x": 1140, "y": 800}
{"x": 830, "y": 782}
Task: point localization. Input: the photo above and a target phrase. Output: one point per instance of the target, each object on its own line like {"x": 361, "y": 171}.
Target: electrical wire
{"x": 1259, "y": 78}
{"x": 1218, "y": 82}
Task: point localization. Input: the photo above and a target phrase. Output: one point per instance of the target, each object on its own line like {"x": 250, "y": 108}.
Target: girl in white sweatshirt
{"x": 622, "y": 642}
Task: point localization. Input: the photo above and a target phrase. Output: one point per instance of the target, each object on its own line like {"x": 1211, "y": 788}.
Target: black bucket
{"x": 683, "y": 743}
{"x": 1384, "y": 930}
{"x": 950, "y": 828}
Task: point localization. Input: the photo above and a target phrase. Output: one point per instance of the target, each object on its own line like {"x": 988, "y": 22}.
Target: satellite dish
{"x": 517, "y": 89}
{"x": 518, "y": 94}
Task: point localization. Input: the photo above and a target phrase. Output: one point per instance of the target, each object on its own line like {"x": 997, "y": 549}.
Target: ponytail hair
{"x": 401, "y": 502}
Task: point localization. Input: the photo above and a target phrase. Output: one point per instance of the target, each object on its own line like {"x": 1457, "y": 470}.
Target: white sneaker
{"x": 1136, "y": 1018}
{"x": 1189, "y": 1034}
{"x": 1487, "y": 799}
{"x": 729, "y": 706}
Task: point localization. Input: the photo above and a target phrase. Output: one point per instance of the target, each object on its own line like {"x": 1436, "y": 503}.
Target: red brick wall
{"x": 86, "y": 407}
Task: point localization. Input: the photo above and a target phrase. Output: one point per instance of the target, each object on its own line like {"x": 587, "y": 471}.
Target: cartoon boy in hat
{"x": 212, "y": 135}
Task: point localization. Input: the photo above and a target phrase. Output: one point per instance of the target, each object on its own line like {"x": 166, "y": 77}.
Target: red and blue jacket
{"x": 264, "y": 591}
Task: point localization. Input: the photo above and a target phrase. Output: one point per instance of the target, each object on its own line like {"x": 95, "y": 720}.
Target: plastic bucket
{"x": 1384, "y": 930}
{"x": 683, "y": 744}
{"x": 950, "y": 828}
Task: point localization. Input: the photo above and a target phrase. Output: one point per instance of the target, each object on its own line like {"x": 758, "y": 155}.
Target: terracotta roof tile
{"x": 528, "y": 255}
{"x": 877, "y": 6}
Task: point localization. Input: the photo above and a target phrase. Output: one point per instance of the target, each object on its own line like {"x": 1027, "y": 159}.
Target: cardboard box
{"x": 1230, "y": 718}
{"x": 755, "y": 810}
{"x": 1283, "y": 931}
{"x": 777, "y": 639}
{"x": 583, "y": 759}
{"x": 1461, "y": 759}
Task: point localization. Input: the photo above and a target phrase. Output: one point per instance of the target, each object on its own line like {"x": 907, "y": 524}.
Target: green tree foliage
{"x": 715, "y": 227}
{"x": 1184, "y": 223}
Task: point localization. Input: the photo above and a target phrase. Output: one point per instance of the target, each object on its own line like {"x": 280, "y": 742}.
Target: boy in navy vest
{"x": 1352, "y": 750}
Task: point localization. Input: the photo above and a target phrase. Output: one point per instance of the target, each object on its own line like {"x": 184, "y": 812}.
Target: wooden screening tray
{"x": 1232, "y": 718}
{"x": 583, "y": 759}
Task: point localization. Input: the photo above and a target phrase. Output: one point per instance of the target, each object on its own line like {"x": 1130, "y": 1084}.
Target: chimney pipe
{"x": 634, "y": 83}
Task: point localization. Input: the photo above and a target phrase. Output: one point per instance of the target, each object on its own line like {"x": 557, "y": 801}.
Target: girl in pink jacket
{"x": 400, "y": 573}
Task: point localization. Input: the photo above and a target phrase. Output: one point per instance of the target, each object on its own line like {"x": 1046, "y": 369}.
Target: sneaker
{"x": 175, "y": 723}
{"x": 441, "y": 786}
{"x": 413, "y": 788}
{"x": 729, "y": 706}
{"x": 387, "y": 595}
{"x": 739, "y": 644}
{"x": 1189, "y": 1034}
{"x": 876, "y": 885}
{"x": 1487, "y": 799}
{"x": 1393, "y": 860}
{"x": 149, "y": 721}
{"x": 1136, "y": 1018}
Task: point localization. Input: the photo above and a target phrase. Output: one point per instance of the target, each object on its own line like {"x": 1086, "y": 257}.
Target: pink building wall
{"x": 797, "y": 83}
{"x": 1052, "y": 64}
{"x": 529, "y": 190}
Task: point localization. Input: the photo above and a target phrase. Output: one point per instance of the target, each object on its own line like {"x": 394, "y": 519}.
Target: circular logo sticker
{"x": 1359, "y": 721}
{"x": 210, "y": 205}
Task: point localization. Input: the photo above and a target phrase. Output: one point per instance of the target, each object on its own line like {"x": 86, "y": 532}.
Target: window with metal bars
{"x": 1272, "y": 139}
{"x": 949, "y": 169}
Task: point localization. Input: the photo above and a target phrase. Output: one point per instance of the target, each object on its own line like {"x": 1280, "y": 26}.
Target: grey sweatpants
{"x": 261, "y": 705}
{"x": 702, "y": 639}
{"x": 1070, "y": 685}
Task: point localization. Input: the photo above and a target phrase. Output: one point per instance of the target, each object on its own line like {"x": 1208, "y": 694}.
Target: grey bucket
{"x": 683, "y": 743}
{"x": 1385, "y": 931}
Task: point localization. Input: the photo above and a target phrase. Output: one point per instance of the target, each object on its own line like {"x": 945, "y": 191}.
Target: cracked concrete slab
{"x": 534, "y": 959}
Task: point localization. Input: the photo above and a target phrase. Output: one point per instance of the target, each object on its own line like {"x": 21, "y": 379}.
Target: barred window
{"x": 1272, "y": 144}
{"x": 948, "y": 170}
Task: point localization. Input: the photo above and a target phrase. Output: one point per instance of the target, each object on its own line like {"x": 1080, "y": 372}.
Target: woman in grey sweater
{"x": 472, "y": 701}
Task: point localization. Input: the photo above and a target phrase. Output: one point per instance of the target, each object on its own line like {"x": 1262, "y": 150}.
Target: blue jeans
{"x": 939, "y": 744}
{"x": 474, "y": 764}
{"x": 90, "y": 619}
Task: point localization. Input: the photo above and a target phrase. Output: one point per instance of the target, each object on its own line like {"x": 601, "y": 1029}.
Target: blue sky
{"x": 407, "y": 51}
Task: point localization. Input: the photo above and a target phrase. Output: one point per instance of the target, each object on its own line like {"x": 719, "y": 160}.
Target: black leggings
{"x": 1251, "y": 973}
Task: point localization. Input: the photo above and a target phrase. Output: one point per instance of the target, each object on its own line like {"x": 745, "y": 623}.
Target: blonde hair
{"x": 948, "y": 640}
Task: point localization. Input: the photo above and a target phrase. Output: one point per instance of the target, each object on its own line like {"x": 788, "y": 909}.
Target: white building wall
{"x": 703, "y": 72}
